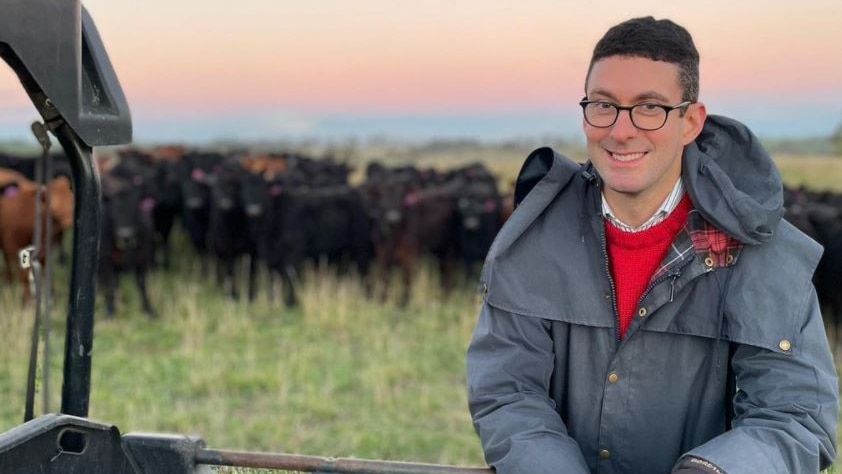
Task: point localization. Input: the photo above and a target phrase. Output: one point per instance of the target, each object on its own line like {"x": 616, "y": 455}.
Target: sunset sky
{"x": 196, "y": 70}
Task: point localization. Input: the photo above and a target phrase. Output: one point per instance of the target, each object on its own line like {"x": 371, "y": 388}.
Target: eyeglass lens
{"x": 643, "y": 116}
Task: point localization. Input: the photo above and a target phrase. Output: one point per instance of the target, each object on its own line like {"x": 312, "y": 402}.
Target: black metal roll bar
{"x": 78, "y": 345}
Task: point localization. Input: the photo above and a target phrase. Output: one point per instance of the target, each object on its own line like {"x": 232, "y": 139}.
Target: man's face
{"x": 636, "y": 165}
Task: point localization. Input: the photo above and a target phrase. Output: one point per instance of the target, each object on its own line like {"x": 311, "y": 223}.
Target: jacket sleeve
{"x": 509, "y": 365}
{"x": 785, "y": 407}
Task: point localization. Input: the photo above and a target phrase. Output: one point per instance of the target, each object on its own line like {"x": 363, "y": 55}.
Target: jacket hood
{"x": 733, "y": 181}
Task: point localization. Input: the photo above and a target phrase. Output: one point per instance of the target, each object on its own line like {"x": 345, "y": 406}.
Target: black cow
{"x": 820, "y": 216}
{"x": 276, "y": 214}
{"x": 479, "y": 208}
{"x": 127, "y": 241}
{"x": 197, "y": 173}
{"x": 827, "y": 225}
{"x": 158, "y": 180}
{"x": 228, "y": 228}
{"x": 338, "y": 228}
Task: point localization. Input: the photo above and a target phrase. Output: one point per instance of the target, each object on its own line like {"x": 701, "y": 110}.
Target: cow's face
{"x": 395, "y": 198}
{"x": 195, "y": 189}
{"x": 126, "y": 210}
{"x": 255, "y": 194}
{"x": 475, "y": 203}
{"x": 225, "y": 191}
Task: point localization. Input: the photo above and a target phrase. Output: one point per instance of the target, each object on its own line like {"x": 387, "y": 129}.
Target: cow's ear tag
{"x": 25, "y": 256}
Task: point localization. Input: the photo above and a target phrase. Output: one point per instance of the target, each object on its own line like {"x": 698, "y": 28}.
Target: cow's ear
{"x": 9, "y": 189}
{"x": 536, "y": 166}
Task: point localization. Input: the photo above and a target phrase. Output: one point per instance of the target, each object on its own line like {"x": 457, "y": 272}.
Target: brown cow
{"x": 412, "y": 222}
{"x": 168, "y": 152}
{"x": 17, "y": 218}
{"x": 270, "y": 166}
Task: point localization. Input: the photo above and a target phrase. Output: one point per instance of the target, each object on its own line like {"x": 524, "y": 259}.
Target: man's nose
{"x": 623, "y": 127}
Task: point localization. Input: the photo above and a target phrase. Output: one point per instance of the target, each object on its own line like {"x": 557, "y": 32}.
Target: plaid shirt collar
{"x": 663, "y": 211}
{"x": 699, "y": 239}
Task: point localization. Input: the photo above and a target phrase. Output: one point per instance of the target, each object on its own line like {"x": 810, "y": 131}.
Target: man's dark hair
{"x": 658, "y": 40}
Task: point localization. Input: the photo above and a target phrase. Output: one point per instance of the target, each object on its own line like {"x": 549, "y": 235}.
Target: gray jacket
{"x": 725, "y": 360}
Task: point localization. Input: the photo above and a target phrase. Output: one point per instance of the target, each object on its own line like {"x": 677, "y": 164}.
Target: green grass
{"x": 814, "y": 172}
{"x": 340, "y": 376}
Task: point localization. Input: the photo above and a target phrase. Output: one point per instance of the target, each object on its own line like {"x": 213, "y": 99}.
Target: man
{"x": 649, "y": 311}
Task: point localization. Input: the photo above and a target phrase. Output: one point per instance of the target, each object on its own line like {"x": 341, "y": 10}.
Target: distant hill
{"x": 809, "y": 146}
{"x": 21, "y": 147}
{"x": 813, "y": 146}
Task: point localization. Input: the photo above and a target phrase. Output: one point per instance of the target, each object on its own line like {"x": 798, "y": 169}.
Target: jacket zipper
{"x": 674, "y": 274}
{"x": 672, "y": 286}
{"x": 613, "y": 287}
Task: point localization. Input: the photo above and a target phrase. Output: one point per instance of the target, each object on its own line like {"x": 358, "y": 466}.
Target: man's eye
{"x": 648, "y": 109}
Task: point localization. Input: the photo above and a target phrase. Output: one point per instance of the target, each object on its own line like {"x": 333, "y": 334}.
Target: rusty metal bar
{"x": 318, "y": 464}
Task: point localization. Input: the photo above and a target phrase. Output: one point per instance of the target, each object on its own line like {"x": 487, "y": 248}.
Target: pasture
{"x": 340, "y": 375}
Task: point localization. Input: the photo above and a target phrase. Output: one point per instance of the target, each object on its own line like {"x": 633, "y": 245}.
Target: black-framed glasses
{"x": 648, "y": 116}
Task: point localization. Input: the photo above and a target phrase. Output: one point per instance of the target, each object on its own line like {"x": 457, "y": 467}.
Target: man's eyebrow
{"x": 648, "y": 95}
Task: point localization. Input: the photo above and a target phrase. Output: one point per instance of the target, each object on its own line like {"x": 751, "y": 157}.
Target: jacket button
{"x": 605, "y": 454}
{"x": 613, "y": 377}
{"x": 642, "y": 312}
{"x": 785, "y": 345}
{"x": 708, "y": 261}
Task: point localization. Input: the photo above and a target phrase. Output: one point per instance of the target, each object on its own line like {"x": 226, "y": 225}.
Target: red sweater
{"x": 634, "y": 256}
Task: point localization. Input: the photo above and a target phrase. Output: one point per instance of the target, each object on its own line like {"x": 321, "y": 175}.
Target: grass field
{"x": 339, "y": 376}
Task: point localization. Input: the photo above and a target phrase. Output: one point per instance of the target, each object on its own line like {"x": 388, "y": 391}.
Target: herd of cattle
{"x": 283, "y": 210}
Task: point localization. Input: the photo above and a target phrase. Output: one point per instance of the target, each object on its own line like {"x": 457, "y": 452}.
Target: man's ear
{"x": 694, "y": 121}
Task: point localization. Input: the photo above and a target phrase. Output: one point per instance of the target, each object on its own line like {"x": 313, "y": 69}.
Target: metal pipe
{"x": 87, "y": 213}
{"x": 44, "y": 299}
{"x": 301, "y": 463}
{"x": 34, "y": 283}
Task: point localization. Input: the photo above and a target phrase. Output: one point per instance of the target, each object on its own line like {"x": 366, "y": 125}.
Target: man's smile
{"x": 626, "y": 156}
